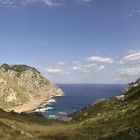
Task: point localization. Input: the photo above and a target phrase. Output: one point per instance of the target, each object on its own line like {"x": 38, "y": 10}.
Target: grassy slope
{"x": 106, "y": 120}
{"x": 111, "y": 119}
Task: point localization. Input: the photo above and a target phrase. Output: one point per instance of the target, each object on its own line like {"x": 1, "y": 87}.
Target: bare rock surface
{"x": 23, "y": 88}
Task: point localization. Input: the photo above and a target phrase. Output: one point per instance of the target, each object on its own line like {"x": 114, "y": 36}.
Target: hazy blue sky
{"x": 73, "y": 41}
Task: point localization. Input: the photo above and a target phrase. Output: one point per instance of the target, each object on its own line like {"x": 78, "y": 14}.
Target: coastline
{"x": 31, "y": 106}
{"x": 42, "y": 107}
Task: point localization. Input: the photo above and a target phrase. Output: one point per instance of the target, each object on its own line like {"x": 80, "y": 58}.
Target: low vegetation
{"x": 110, "y": 119}
{"x": 17, "y": 68}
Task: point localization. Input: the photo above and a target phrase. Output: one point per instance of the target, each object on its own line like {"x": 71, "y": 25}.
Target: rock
{"x": 138, "y": 81}
{"x": 21, "y": 131}
{"x": 125, "y": 103}
{"x": 23, "y": 88}
{"x": 28, "y": 135}
{"x": 66, "y": 119}
{"x": 62, "y": 113}
{"x": 85, "y": 114}
{"x": 99, "y": 114}
{"x": 120, "y": 98}
{"x": 106, "y": 120}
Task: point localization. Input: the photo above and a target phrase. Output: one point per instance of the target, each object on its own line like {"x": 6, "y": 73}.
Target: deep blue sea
{"x": 77, "y": 96}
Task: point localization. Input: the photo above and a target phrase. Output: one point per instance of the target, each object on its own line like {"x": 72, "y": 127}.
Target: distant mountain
{"x": 117, "y": 118}
{"x": 23, "y": 88}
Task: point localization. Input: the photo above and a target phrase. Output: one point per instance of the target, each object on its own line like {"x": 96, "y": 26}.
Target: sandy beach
{"x": 32, "y": 105}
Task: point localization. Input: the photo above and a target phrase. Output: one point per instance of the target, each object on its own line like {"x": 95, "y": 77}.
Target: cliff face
{"x": 23, "y": 88}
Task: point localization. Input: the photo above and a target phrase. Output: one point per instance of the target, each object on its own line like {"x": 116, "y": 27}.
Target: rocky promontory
{"x": 23, "y": 88}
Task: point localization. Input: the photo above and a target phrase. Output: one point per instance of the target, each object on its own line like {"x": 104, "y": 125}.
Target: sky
{"x": 73, "y": 41}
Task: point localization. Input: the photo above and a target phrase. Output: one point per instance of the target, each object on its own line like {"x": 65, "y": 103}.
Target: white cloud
{"x": 99, "y": 59}
{"x": 16, "y": 3}
{"x": 61, "y": 63}
{"x": 135, "y": 71}
{"x": 130, "y": 15}
{"x": 88, "y": 68}
{"x": 132, "y": 58}
{"x": 134, "y": 13}
{"x": 51, "y": 2}
{"x": 56, "y": 71}
{"x": 84, "y": 0}
{"x": 102, "y": 67}
{"x": 76, "y": 62}
{"x": 53, "y": 71}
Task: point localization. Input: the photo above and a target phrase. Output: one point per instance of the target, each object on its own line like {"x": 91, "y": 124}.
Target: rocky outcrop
{"x": 132, "y": 85}
{"x": 120, "y": 98}
{"x": 23, "y": 88}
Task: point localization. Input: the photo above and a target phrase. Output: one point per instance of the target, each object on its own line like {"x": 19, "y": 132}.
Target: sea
{"x": 77, "y": 96}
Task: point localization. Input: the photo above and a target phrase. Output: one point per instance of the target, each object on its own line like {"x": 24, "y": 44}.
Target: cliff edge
{"x": 23, "y": 88}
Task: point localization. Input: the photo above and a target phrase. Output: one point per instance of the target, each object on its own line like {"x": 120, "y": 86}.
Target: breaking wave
{"x": 50, "y": 101}
{"x": 43, "y": 109}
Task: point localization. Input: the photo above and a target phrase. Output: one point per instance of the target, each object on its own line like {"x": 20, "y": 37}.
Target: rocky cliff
{"x": 23, "y": 88}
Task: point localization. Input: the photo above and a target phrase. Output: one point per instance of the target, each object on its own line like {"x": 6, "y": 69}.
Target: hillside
{"x": 23, "y": 88}
{"x": 112, "y": 119}
{"x": 116, "y": 118}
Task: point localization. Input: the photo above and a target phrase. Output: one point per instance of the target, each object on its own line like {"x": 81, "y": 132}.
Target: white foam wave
{"x": 51, "y": 101}
{"x": 62, "y": 113}
{"x": 43, "y": 109}
{"x": 60, "y": 94}
{"x": 49, "y": 108}
{"x": 52, "y": 116}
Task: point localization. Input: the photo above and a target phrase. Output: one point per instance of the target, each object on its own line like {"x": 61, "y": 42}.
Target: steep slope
{"x": 112, "y": 119}
{"x": 23, "y": 88}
